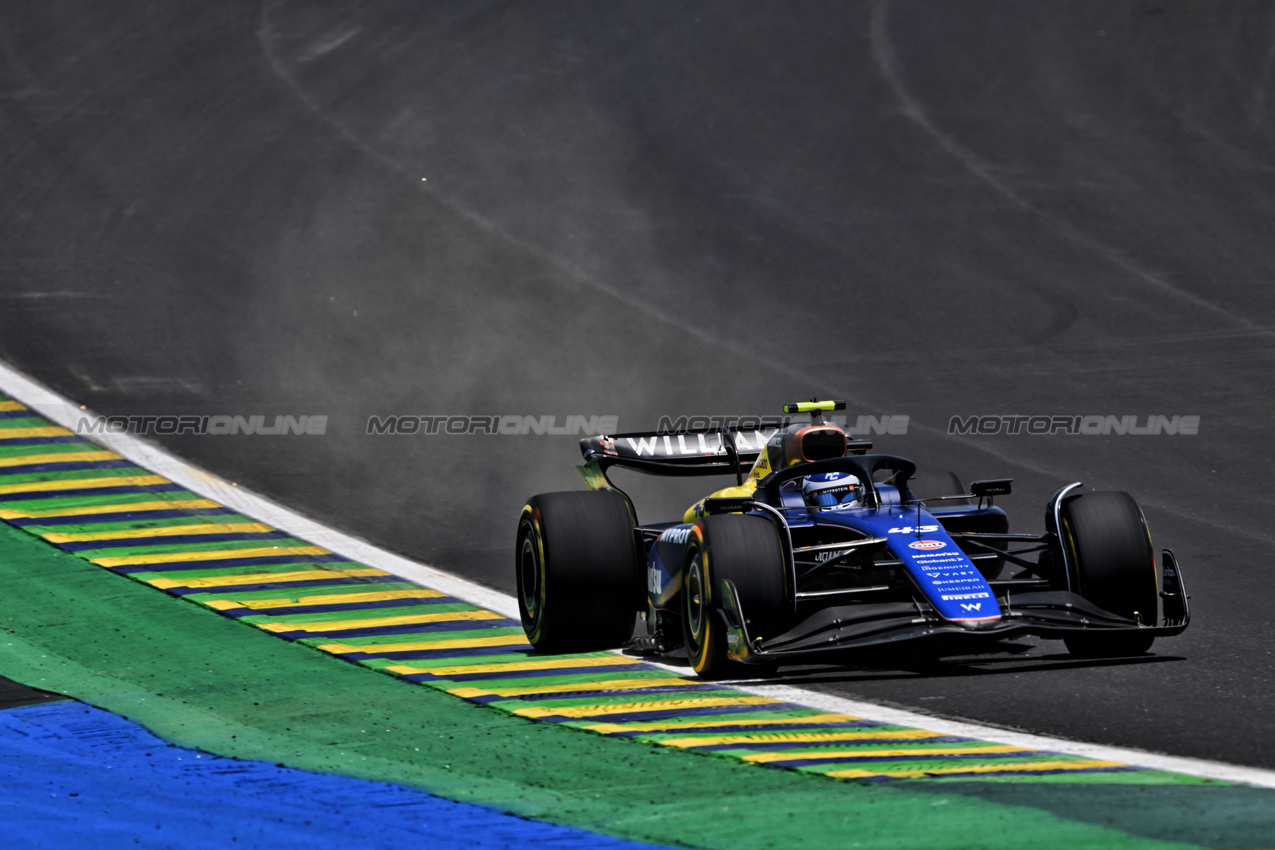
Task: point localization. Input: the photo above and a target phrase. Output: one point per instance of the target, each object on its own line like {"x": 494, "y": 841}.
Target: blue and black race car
{"x": 821, "y": 547}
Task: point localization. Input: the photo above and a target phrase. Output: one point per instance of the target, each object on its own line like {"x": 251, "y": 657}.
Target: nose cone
{"x": 980, "y": 625}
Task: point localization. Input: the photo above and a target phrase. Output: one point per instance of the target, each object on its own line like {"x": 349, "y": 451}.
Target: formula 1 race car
{"x": 821, "y": 547}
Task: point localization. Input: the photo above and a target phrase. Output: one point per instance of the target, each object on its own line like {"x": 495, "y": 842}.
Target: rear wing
{"x": 718, "y": 451}
{"x": 712, "y": 452}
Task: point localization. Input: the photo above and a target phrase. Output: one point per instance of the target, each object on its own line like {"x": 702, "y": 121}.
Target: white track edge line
{"x": 144, "y": 453}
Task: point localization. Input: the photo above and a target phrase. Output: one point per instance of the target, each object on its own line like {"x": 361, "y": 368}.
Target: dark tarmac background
{"x": 930, "y": 209}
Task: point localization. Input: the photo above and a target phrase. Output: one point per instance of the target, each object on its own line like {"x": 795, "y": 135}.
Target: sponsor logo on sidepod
{"x": 927, "y": 545}
{"x": 676, "y": 535}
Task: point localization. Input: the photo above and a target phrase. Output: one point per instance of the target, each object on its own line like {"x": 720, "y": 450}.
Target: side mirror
{"x": 992, "y": 487}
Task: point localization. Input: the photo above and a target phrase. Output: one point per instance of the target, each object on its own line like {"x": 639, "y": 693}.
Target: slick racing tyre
{"x": 746, "y": 551}
{"x": 579, "y": 581}
{"x": 927, "y": 484}
{"x": 1113, "y": 566}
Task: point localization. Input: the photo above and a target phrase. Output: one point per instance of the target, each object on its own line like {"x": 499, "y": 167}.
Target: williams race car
{"x": 821, "y": 547}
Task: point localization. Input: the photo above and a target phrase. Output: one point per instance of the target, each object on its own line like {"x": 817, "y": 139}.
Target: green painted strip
{"x": 179, "y": 548}
{"x": 247, "y": 570}
{"x": 373, "y": 641}
{"x": 353, "y": 616}
{"x": 616, "y": 698}
{"x": 193, "y": 518}
{"x": 200, "y": 680}
{"x": 600, "y": 676}
{"x": 1210, "y": 816}
{"x": 759, "y": 716}
{"x": 48, "y": 449}
{"x": 1138, "y": 777}
{"x": 94, "y": 500}
{"x": 71, "y": 474}
{"x": 925, "y": 764}
{"x": 513, "y": 657}
{"x": 294, "y": 594}
{"x": 661, "y": 737}
{"x": 23, "y": 422}
{"x": 868, "y": 750}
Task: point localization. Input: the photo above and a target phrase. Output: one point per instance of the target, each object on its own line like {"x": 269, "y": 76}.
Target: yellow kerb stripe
{"x": 181, "y": 557}
{"x": 166, "y": 531}
{"x": 612, "y": 728}
{"x": 330, "y": 599}
{"x": 377, "y": 622}
{"x": 11, "y": 405}
{"x": 424, "y": 645}
{"x": 263, "y": 578}
{"x": 630, "y": 707}
{"x": 64, "y": 457}
{"x": 617, "y": 685}
{"x": 803, "y": 738}
{"x": 178, "y": 505}
{"x": 762, "y": 758}
{"x": 985, "y": 768}
{"x": 83, "y": 484}
{"x": 519, "y": 666}
{"x": 22, "y": 433}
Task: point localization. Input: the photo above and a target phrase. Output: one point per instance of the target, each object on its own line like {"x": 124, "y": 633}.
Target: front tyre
{"x": 579, "y": 583}
{"x": 746, "y": 551}
{"x": 1113, "y": 566}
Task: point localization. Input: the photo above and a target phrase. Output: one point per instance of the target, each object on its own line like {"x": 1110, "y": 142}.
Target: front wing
{"x": 1049, "y": 614}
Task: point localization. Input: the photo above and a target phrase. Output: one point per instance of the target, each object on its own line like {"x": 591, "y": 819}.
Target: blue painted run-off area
{"x": 77, "y": 776}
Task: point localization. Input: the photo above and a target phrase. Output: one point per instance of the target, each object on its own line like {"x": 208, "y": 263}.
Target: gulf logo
{"x": 927, "y": 545}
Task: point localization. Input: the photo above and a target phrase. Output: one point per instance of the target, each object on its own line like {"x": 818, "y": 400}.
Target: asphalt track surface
{"x": 640, "y": 209}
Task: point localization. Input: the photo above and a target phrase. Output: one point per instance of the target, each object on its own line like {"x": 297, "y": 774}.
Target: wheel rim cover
{"x": 695, "y": 600}
{"x": 529, "y": 571}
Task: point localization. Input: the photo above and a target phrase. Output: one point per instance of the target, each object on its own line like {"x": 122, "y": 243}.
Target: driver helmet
{"x": 833, "y": 489}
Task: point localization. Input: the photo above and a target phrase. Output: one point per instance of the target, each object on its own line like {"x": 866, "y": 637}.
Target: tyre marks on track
{"x": 104, "y": 509}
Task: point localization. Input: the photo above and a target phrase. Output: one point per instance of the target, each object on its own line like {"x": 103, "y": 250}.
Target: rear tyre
{"x": 1113, "y": 566}
{"x": 928, "y": 484}
{"x": 746, "y": 551}
{"x": 579, "y": 580}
